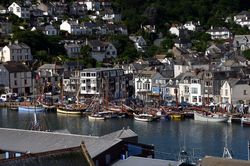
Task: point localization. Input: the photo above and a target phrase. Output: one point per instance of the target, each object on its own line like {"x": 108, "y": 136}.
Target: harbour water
{"x": 168, "y": 136}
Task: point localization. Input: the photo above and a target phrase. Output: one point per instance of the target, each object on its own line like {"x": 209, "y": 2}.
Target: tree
{"x": 151, "y": 51}
{"x": 246, "y": 54}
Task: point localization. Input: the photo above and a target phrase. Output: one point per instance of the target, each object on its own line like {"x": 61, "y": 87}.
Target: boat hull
{"x": 204, "y": 118}
{"x": 143, "y": 117}
{"x": 245, "y": 121}
{"x": 96, "y": 117}
{"x": 69, "y": 111}
{"x": 176, "y": 117}
{"x": 30, "y": 109}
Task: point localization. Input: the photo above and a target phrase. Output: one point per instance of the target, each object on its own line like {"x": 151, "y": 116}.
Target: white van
{"x": 4, "y": 97}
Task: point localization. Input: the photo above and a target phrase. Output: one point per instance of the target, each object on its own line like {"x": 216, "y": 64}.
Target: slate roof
{"x": 18, "y": 46}
{"x": 232, "y": 81}
{"x": 50, "y": 66}
{"x": 24, "y": 141}
{"x": 97, "y": 43}
{"x": 121, "y": 134}
{"x": 133, "y": 160}
{"x": 64, "y": 157}
{"x": 218, "y": 29}
{"x": 15, "y": 67}
{"x": 244, "y": 13}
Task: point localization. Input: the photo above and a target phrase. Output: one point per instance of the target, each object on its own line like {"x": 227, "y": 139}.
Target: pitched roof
{"x": 233, "y": 81}
{"x": 97, "y": 43}
{"x": 18, "y": 46}
{"x": 14, "y": 67}
{"x": 218, "y": 29}
{"x": 122, "y": 134}
{"x": 50, "y": 66}
{"x": 76, "y": 156}
{"x": 24, "y": 141}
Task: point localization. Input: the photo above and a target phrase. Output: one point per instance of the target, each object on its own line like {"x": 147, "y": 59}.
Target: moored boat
{"x": 143, "y": 117}
{"x": 176, "y": 116}
{"x": 245, "y": 121}
{"x": 96, "y": 116}
{"x": 70, "y": 111}
{"x": 30, "y": 108}
{"x": 210, "y": 117}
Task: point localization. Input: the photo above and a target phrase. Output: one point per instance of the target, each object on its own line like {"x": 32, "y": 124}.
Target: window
{"x": 195, "y": 81}
{"x": 186, "y": 89}
{"x": 18, "y": 9}
{"x": 83, "y": 81}
{"x": 88, "y": 74}
{"x": 107, "y": 159}
{"x": 208, "y": 83}
{"x": 226, "y": 92}
{"x": 194, "y": 91}
{"x": 194, "y": 99}
{"x": 14, "y": 75}
{"x": 83, "y": 88}
{"x": 93, "y": 74}
{"x": 25, "y": 82}
{"x": 148, "y": 86}
{"x": 208, "y": 75}
{"x": 245, "y": 92}
{"x": 15, "y": 82}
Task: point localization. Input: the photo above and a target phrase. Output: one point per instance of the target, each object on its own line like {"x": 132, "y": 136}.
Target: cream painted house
{"x": 15, "y": 52}
{"x": 19, "y": 10}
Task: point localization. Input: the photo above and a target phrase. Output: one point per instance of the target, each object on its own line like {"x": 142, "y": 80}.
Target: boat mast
{"x": 226, "y": 152}
{"x": 106, "y": 95}
{"x": 248, "y": 153}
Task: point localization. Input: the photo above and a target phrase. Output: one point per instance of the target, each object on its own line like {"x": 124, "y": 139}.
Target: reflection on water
{"x": 167, "y": 136}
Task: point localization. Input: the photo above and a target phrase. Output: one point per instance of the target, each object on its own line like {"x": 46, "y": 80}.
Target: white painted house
{"x": 15, "y": 52}
{"x": 243, "y": 19}
{"x": 19, "y": 10}
{"x": 139, "y": 43}
{"x": 101, "y": 50}
{"x": 219, "y": 33}
{"x": 103, "y": 81}
{"x": 190, "y": 88}
{"x": 191, "y": 26}
{"x": 235, "y": 90}
{"x": 178, "y": 30}
{"x": 92, "y": 5}
{"x": 72, "y": 27}
{"x": 180, "y": 67}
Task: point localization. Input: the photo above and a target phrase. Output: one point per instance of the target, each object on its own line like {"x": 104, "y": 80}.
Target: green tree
{"x": 246, "y": 54}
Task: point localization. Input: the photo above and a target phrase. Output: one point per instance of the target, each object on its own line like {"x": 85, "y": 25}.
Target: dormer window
{"x": 195, "y": 81}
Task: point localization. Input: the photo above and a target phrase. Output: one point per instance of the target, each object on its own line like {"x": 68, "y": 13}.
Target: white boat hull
{"x": 30, "y": 109}
{"x": 96, "y": 117}
{"x": 245, "y": 121}
{"x": 143, "y": 117}
{"x": 204, "y": 118}
{"x": 66, "y": 111}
